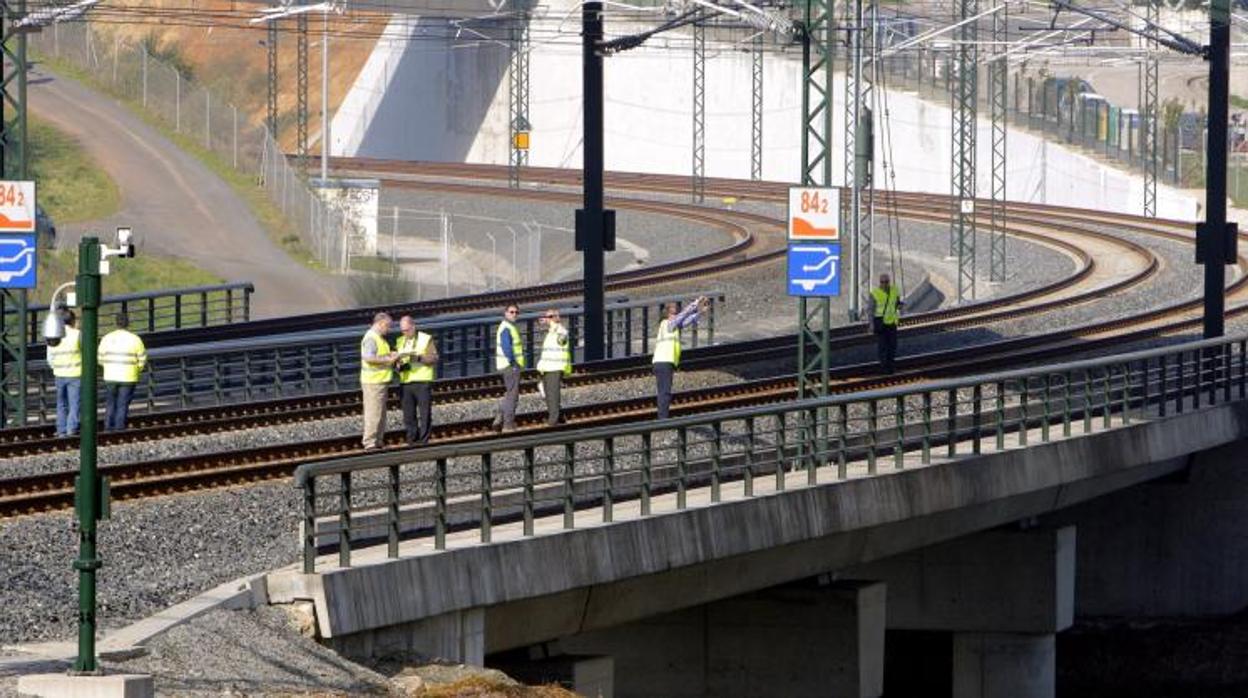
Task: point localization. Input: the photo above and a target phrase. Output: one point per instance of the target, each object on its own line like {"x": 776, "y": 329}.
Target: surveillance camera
{"x": 124, "y": 235}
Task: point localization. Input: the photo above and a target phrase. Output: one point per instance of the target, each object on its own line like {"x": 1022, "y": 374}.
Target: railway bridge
{"x": 772, "y": 550}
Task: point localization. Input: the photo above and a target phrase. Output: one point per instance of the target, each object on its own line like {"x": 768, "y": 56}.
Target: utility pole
{"x": 595, "y": 226}
{"x": 14, "y": 332}
{"x": 814, "y": 316}
{"x": 1216, "y": 241}
{"x": 90, "y": 496}
{"x": 699, "y": 112}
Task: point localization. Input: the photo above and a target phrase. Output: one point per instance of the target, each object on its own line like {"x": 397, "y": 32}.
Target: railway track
{"x": 54, "y": 490}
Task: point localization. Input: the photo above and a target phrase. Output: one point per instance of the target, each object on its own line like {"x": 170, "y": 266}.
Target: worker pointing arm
{"x": 667, "y": 349}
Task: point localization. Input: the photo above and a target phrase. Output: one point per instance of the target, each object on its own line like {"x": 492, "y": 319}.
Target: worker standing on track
{"x": 123, "y": 357}
{"x": 65, "y": 357}
{"x": 884, "y": 307}
{"x": 667, "y": 349}
{"x": 376, "y": 370}
{"x": 508, "y": 360}
{"x": 556, "y": 362}
{"x": 418, "y": 355}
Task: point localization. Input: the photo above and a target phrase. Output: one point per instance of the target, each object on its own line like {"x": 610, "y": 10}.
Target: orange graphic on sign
{"x": 803, "y": 228}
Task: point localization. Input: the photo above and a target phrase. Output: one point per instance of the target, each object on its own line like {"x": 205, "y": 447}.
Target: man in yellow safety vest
{"x": 65, "y": 358}
{"x": 556, "y": 362}
{"x": 884, "y": 307}
{"x": 667, "y": 349}
{"x": 376, "y": 370}
{"x": 123, "y": 357}
{"x": 418, "y": 355}
{"x": 509, "y": 361}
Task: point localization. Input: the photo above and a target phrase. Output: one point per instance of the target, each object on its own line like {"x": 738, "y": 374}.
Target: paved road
{"x": 178, "y": 207}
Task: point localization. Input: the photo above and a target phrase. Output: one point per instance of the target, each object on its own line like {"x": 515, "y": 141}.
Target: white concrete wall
{"x": 448, "y": 102}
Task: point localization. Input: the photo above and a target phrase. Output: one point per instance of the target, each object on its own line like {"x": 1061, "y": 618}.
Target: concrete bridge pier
{"x": 1002, "y": 594}
{"x": 803, "y": 639}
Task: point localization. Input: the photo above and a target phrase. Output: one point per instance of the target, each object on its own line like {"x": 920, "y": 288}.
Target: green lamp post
{"x": 90, "y": 490}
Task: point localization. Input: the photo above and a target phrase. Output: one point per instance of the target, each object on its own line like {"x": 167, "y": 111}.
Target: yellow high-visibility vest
{"x": 500, "y": 359}
{"x": 66, "y": 357}
{"x": 375, "y": 375}
{"x": 414, "y": 371}
{"x": 556, "y": 354}
{"x": 123, "y": 356}
{"x": 886, "y": 304}
{"x": 667, "y": 345}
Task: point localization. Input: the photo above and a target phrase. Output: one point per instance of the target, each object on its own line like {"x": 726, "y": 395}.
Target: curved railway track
{"x": 54, "y": 490}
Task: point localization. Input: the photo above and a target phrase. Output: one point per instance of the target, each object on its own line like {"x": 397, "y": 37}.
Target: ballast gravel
{"x": 161, "y": 551}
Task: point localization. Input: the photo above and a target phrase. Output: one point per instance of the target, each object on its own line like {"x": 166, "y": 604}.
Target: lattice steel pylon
{"x": 699, "y": 112}
{"x": 998, "y": 98}
{"x": 518, "y": 101}
{"x": 271, "y": 44}
{"x": 859, "y": 21}
{"x": 815, "y": 316}
{"x": 301, "y": 89}
{"x": 965, "y": 89}
{"x": 1149, "y": 114}
{"x": 13, "y": 327}
{"x": 756, "y": 109}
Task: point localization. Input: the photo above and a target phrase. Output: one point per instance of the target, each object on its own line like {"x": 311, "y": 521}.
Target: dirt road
{"x": 178, "y": 207}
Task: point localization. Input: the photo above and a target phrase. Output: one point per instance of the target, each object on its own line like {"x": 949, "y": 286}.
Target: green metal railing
{"x": 172, "y": 309}
{"x": 431, "y": 491}
{"x": 240, "y": 371}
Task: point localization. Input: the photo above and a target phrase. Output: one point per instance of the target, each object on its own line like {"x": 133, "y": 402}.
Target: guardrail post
{"x": 645, "y": 329}
{"x": 1163, "y": 391}
{"x": 682, "y": 466}
{"x": 1000, "y": 415}
{"x": 608, "y": 480}
{"x": 1025, "y": 412}
{"x": 247, "y": 303}
{"x": 229, "y": 305}
{"x": 1126, "y": 393}
{"x": 927, "y": 427}
{"x": 1105, "y": 397}
{"x": 812, "y": 446}
{"x": 344, "y": 521}
{"x": 1087, "y": 401}
{"x": 439, "y": 506}
{"x": 715, "y": 463}
{"x": 842, "y": 441}
{"x": 309, "y": 526}
{"x": 951, "y": 415}
{"x": 569, "y": 475}
{"x": 1225, "y": 372}
{"x": 151, "y": 314}
{"x": 628, "y": 331}
{"x": 748, "y": 474}
{"x": 872, "y": 438}
{"x": 647, "y": 474}
{"x": 710, "y": 322}
{"x": 977, "y": 412}
{"x": 203, "y": 309}
{"x": 780, "y": 451}
{"x": 899, "y": 459}
{"x": 609, "y": 340}
{"x": 528, "y": 491}
{"x": 392, "y": 514}
{"x": 487, "y": 505}
{"x": 1048, "y": 407}
{"x": 177, "y": 310}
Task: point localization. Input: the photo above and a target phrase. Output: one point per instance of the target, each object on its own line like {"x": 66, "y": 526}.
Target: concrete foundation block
{"x": 456, "y": 637}
{"x": 594, "y": 677}
{"x": 1004, "y": 665}
{"x": 66, "y": 686}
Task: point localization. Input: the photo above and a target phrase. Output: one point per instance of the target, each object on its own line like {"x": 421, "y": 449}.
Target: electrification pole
{"x": 814, "y": 316}
{"x": 756, "y": 109}
{"x": 271, "y": 45}
{"x": 1215, "y": 239}
{"x": 998, "y": 98}
{"x": 699, "y": 112}
{"x": 301, "y": 90}
{"x": 965, "y": 97}
{"x": 595, "y": 226}
{"x": 14, "y": 332}
{"x": 1149, "y": 115}
{"x": 518, "y": 101}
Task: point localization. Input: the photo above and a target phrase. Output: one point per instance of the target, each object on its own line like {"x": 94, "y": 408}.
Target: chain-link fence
{"x": 128, "y": 70}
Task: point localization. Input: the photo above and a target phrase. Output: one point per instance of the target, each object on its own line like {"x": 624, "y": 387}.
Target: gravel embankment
{"x": 162, "y": 551}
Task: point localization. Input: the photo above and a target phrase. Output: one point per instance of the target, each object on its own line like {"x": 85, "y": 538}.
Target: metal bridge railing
{"x": 654, "y": 466}
{"x": 171, "y": 309}
{"x": 309, "y": 363}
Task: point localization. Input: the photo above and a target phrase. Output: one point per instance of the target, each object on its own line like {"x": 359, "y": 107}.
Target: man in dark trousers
{"x": 509, "y": 362}
{"x": 667, "y": 349}
{"x": 554, "y": 364}
{"x": 884, "y": 307}
{"x": 418, "y": 358}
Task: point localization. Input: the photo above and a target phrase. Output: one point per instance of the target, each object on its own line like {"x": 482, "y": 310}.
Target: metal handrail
{"x": 464, "y": 482}
{"x": 169, "y": 309}
{"x": 233, "y": 371}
